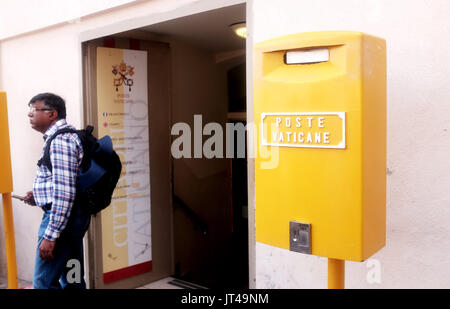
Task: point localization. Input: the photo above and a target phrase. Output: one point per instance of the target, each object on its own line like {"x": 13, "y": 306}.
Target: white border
{"x": 341, "y": 145}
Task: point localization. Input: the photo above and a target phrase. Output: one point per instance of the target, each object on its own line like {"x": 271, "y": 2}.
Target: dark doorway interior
{"x": 204, "y": 258}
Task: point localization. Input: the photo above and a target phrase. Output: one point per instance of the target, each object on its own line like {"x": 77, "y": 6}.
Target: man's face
{"x": 41, "y": 116}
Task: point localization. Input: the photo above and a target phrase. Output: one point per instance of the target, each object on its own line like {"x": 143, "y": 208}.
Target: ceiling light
{"x": 240, "y": 29}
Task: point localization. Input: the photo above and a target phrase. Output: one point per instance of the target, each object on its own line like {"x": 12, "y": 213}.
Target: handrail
{"x": 198, "y": 222}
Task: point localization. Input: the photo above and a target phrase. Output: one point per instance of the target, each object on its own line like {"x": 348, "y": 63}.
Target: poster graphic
{"x": 122, "y": 101}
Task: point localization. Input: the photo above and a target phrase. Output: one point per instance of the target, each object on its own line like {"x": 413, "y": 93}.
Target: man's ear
{"x": 53, "y": 114}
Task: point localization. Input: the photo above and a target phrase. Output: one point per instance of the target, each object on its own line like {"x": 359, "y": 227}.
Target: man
{"x": 60, "y": 238}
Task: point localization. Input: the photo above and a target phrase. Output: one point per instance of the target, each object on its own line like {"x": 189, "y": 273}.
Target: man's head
{"x": 45, "y": 110}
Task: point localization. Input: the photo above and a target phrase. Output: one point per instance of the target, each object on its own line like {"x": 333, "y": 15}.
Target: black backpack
{"x": 97, "y": 195}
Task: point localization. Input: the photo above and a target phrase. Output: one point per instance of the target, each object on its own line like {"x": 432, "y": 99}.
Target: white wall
{"x": 418, "y": 176}
{"x": 36, "y": 14}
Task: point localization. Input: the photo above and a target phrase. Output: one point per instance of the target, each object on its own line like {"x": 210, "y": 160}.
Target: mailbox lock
{"x": 300, "y": 237}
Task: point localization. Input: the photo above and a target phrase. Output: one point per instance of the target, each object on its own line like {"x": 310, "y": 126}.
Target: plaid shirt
{"x": 58, "y": 187}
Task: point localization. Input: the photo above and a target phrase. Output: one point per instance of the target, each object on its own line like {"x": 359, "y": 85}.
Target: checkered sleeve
{"x": 64, "y": 155}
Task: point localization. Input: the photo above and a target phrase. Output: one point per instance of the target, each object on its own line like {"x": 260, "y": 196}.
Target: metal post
{"x": 10, "y": 242}
{"x": 336, "y": 274}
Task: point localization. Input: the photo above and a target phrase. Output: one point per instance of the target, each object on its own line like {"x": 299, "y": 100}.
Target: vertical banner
{"x": 122, "y": 100}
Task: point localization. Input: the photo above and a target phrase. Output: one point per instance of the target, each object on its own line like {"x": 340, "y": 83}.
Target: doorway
{"x": 207, "y": 197}
{"x": 209, "y": 194}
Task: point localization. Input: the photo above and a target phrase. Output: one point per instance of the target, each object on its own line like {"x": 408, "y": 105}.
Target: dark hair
{"x": 52, "y": 101}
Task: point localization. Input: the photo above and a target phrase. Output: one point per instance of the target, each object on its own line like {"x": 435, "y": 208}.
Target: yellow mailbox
{"x": 320, "y": 103}
{"x": 5, "y": 157}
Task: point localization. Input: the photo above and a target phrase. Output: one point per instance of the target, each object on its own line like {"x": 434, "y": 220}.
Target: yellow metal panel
{"x": 6, "y": 184}
{"x": 332, "y": 175}
{"x": 374, "y": 143}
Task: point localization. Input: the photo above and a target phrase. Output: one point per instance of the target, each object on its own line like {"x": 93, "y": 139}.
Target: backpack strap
{"x": 88, "y": 142}
{"x": 46, "y": 157}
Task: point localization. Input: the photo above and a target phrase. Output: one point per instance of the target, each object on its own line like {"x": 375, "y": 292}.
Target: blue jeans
{"x": 57, "y": 273}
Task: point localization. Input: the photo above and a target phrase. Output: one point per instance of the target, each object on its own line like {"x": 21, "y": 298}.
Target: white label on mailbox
{"x": 306, "y": 130}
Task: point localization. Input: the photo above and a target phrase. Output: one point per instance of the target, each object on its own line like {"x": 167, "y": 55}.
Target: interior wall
{"x": 199, "y": 87}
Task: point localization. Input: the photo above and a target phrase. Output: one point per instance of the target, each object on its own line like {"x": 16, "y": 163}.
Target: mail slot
{"x": 5, "y": 157}
{"x": 320, "y": 104}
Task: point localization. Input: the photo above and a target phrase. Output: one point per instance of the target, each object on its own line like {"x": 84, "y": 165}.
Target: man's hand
{"x": 29, "y": 199}
{"x": 46, "y": 249}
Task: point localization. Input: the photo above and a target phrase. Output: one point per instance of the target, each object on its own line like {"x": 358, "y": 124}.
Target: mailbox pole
{"x": 9, "y": 240}
{"x": 6, "y": 187}
{"x": 336, "y": 274}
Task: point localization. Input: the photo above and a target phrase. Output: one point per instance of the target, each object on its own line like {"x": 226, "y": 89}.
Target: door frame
{"x": 160, "y": 164}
